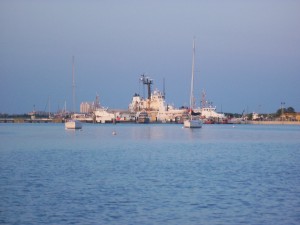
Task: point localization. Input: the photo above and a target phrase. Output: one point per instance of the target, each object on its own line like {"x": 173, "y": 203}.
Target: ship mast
{"x": 49, "y": 107}
{"x": 73, "y": 84}
{"x": 203, "y": 101}
{"x": 164, "y": 89}
{"x": 147, "y": 81}
{"x": 192, "y": 80}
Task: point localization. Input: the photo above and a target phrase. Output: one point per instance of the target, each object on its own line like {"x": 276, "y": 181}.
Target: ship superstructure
{"x": 208, "y": 112}
{"x": 155, "y": 105}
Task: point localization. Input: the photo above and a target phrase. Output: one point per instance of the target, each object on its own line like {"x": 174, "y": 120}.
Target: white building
{"x": 86, "y": 107}
{"x": 89, "y": 107}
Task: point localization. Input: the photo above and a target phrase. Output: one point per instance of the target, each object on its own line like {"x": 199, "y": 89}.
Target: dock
{"x": 26, "y": 120}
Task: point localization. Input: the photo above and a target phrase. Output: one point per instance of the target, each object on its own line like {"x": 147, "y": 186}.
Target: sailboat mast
{"x": 65, "y": 110}
{"x": 73, "y": 83}
{"x": 49, "y": 107}
{"x": 192, "y": 80}
{"x": 164, "y": 89}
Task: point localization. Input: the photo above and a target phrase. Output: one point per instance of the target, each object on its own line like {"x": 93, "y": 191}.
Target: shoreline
{"x": 273, "y": 122}
{"x": 22, "y": 120}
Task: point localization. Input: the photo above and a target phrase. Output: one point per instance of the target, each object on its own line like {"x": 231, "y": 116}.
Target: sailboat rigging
{"x": 192, "y": 121}
{"x": 73, "y": 123}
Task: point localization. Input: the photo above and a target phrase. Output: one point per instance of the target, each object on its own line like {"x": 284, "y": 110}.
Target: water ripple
{"x": 157, "y": 174}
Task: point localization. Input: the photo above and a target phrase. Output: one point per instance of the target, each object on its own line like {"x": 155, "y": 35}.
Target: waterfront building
{"x": 90, "y": 107}
{"x": 86, "y": 107}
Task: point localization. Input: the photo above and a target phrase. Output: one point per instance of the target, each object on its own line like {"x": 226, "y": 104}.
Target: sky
{"x": 247, "y": 52}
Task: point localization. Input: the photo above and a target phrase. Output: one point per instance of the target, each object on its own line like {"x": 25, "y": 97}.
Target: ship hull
{"x": 73, "y": 124}
{"x": 192, "y": 123}
{"x": 143, "y": 120}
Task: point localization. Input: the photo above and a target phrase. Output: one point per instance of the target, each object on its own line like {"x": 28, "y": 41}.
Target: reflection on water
{"x": 176, "y": 132}
{"x": 149, "y": 132}
{"x": 173, "y": 132}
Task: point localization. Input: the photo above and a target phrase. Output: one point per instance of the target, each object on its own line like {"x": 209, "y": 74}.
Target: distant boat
{"x": 73, "y": 124}
{"x": 192, "y": 121}
{"x": 103, "y": 116}
{"x": 209, "y": 114}
{"x": 156, "y": 106}
{"x": 143, "y": 117}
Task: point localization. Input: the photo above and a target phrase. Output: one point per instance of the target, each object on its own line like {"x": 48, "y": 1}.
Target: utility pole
{"x": 282, "y": 103}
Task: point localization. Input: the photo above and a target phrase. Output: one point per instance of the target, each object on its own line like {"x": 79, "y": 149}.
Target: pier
{"x": 26, "y": 120}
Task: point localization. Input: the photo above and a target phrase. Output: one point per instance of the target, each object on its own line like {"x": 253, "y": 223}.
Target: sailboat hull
{"x": 73, "y": 124}
{"x": 192, "y": 123}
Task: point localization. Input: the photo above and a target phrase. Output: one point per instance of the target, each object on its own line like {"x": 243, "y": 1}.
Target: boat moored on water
{"x": 193, "y": 121}
{"x": 209, "y": 114}
{"x": 102, "y": 115}
{"x": 73, "y": 124}
{"x": 143, "y": 117}
{"x": 155, "y": 106}
{"x": 81, "y": 117}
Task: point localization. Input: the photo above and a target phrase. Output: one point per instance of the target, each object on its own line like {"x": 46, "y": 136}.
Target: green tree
{"x": 285, "y": 110}
{"x": 279, "y": 111}
{"x": 290, "y": 110}
{"x": 250, "y": 116}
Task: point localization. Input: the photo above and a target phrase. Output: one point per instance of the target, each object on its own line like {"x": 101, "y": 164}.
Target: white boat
{"x": 73, "y": 124}
{"x": 192, "y": 121}
{"x": 103, "y": 116}
{"x": 142, "y": 117}
{"x": 156, "y": 107}
{"x": 81, "y": 117}
{"x": 209, "y": 112}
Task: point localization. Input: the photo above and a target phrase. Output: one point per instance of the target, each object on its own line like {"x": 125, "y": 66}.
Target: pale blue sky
{"x": 247, "y": 52}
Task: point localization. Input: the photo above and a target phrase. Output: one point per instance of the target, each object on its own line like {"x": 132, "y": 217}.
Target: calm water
{"x": 149, "y": 174}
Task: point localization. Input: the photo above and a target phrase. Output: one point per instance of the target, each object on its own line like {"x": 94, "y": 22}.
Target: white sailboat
{"x": 192, "y": 121}
{"x": 73, "y": 123}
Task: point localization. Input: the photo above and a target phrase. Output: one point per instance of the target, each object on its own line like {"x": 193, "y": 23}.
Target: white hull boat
{"x": 192, "y": 123}
{"x": 103, "y": 116}
{"x": 73, "y": 124}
